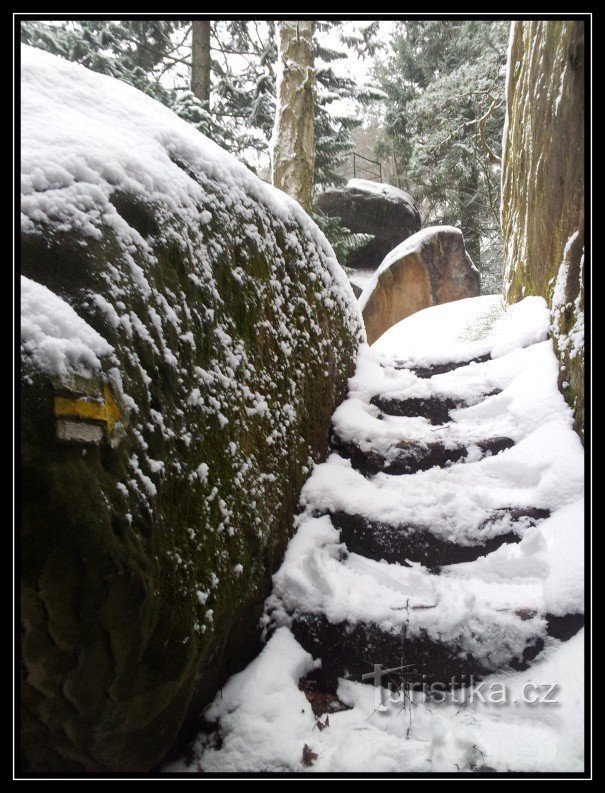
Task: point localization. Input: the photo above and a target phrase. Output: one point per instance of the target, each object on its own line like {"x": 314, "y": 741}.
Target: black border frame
{"x": 587, "y": 18}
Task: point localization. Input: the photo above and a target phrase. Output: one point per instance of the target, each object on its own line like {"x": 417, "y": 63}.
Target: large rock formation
{"x": 430, "y": 267}
{"x": 543, "y": 184}
{"x": 387, "y": 213}
{"x": 186, "y": 336}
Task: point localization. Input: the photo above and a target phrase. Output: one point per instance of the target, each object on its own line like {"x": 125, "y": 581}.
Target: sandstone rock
{"x": 567, "y": 327}
{"x": 365, "y": 207}
{"x": 186, "y": 336}
{"x": 430, "y": 267}
{"x": 543, "y": 182}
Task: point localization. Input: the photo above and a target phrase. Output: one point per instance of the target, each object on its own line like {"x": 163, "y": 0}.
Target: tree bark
{"x": 293, "y": 141}
{"x": 200, "y": 60}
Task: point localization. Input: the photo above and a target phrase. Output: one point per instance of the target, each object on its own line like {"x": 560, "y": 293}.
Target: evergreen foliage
{"x": 442, "y": 78}
{"x": 342, "y": 239}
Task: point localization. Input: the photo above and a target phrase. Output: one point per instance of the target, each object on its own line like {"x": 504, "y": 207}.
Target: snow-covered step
{"x": 460, "y": 503}
{"x": 462, "y": 332}
{"x": 365, "y": 425}
{"x": 495, "y": 401}
{"x": 413, "y": 543}
{"x": 430, "y": 370}
{"x": 338, "y": 603}
{"x": 433, "y": 368}
{"x": 435, "y": 409}
{"x": 408, "y": 458}
{"x": 264, "y": 720}
{"x": 351, "y": 650}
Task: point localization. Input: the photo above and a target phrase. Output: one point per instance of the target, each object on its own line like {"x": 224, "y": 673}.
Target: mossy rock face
{"x": 148, "y": 540}
{"x": 567, "y": 328}
{"x": 543, "y": 172}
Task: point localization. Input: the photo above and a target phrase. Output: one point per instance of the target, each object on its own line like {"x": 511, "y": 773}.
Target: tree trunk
{"x": 200, "y": 60}
{"x": 293, "y": 142}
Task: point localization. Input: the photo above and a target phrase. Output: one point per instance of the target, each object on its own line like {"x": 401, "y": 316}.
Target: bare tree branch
{"x": 492, "y": 156}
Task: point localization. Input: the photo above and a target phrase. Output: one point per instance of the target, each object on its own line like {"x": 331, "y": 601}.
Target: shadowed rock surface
{"x": 429, "y": 268}
{"x": 565, "y": 626}
{"x": 384, "y": 211}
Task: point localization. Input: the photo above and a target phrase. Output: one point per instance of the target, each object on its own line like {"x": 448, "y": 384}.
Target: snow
{"x": 379, "y": 188}
{"x": 488, "y": 608}
{"x": 266, "y": 722}
{"x": 419, "y": 339}
{"x": 410, "y": 245}
{"x": 54, "y": 339}
{"x": 255, "y": 698}
{"x": 361, "y": 277}
{"x": 572, "y": 342}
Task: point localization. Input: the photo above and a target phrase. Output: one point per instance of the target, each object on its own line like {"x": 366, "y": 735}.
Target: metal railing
{"x": 360, "y": 169}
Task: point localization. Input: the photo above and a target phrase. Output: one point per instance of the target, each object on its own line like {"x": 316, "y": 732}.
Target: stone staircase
{"x": 430, "y": 622}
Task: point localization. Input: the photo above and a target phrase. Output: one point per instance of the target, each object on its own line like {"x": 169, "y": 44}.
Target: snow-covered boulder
{"x": 186, "y": 335}
{"x": 543, "y": 185}
{"x": 429, "y": 268}
{"x": 364, "y": 207}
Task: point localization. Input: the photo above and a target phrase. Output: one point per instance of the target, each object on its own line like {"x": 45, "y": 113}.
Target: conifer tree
{"x": 444, "y": 115}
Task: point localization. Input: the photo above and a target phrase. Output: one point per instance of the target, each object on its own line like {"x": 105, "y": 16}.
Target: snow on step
{"x": 469, "y": 615}
{"x": 543, "y": 470}
{"x": 266, "y": 721}
{"x": 554, "y": 547}
{"x": 510, "y": 412}
{"x": 462, "y": 330}
{"x": 409, "y": 458}
{"x": 417, "y": 543}
{"x": 502, "y": 610}
{"x": 318, "y": 576}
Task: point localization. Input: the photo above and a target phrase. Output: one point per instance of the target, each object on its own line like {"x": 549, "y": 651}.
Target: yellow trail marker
{"x": 88, "y": 410}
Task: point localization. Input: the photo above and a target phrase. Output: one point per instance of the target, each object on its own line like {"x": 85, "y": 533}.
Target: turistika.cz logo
{"x": 460, "y": 690}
